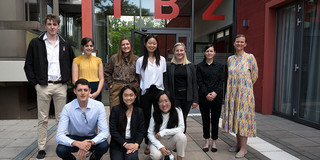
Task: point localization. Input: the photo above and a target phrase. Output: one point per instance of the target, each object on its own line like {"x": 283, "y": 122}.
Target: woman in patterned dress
{"x": 239, "y": 109}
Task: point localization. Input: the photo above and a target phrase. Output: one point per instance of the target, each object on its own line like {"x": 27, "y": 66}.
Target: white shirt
{"x": 153, "y": 75}
{"x": 164, "y": 132}
{"x": 53, "y": 59}
{"x": 128, "y": 132}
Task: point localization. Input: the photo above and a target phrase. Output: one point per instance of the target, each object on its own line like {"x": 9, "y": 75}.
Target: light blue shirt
{"x": 72, "y": 119}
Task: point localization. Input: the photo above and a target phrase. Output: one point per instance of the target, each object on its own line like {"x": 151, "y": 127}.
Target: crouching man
{"x": 80, "y": 118}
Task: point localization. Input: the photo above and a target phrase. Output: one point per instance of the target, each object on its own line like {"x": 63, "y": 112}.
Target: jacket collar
{"x": 43, "y": 33}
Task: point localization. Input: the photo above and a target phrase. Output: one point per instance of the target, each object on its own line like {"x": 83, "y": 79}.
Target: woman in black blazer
{"x": 180, "y": 80}
{"x": 126, "y": 126}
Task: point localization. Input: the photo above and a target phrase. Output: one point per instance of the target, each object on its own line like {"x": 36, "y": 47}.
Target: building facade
{"x": 282, "y": 34}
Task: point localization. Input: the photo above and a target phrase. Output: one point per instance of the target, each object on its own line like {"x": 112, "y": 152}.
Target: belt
{"x": 55, "y": 82}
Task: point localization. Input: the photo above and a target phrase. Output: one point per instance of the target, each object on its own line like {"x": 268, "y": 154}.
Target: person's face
{"x": 88, "y": 48}
{"x": 164, "y": 103}
{"x": 52, "y": 27}
{"x": 240, "y": 43}
{"x": 151, "y": 45}
{"x": 82, "y": 92}
{"x": 125, "y": 46}
{"x": 209, "y": 53}
{"x": 179, "y": 52}
{"x": 128, "y": 97}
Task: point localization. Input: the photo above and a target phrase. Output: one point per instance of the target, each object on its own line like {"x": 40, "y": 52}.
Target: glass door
{"x": 167, "y": 37}
{"x": 297, "y": 87}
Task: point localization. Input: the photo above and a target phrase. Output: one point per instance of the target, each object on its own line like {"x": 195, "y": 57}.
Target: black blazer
{"x": 136, "y": 126}
{"x": 192, "y": 86}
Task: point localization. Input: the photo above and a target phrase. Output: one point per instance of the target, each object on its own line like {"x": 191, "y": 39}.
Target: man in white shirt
{"x": 48, "y": 68}
{"x": 79, "y": 118}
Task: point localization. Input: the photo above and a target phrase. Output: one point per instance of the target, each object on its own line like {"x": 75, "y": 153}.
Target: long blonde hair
{"x": 119, "y": 56}
{"x": 185, "y": 59}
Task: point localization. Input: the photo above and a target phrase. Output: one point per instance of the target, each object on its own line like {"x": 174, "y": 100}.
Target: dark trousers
{"x": 185, "y": 107}
{"x": 213, "y": 107}
{"x": 146, "y": 102}
{"x": 94, "y": 87}
{"x": 118, "y": 152}
{"x": 98, "y": 150}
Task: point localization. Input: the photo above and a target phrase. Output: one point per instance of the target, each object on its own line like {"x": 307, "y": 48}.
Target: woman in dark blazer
{"x": 181, "y": 82}
{"x": 126, "y": 126}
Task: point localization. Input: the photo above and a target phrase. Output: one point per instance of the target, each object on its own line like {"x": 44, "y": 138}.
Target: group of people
{"x": 166, "y": 91}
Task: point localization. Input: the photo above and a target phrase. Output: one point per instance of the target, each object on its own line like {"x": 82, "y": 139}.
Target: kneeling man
{"x": 80, "y": 118}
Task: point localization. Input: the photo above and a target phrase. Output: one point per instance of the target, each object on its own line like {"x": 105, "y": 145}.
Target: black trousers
{"x": 118, "y": 152}
{"x": 146, "y": 102}
{"x": 213, "y": 108}
{"x": 185, "y": 107}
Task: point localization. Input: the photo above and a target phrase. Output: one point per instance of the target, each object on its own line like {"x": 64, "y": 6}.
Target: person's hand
{"x": 194, "y": 105}
{"x": 158, "y": 136}
{"x": 81, "y": 154}
{"x": 90, "y": 141}
{"x": 209, "y": 97}
{"x": 164, "y": 151}
{"x": 131, "y": 147}
{"x": 82, "y": 145}
{"x": 213, "y": 94}
{"x": 110, "y": 87}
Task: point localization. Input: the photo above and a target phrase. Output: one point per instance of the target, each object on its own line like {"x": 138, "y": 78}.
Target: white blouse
{"x": 153, "y": 75}
{"x": 128, "y": 132}
{"x": 164, "y": 132}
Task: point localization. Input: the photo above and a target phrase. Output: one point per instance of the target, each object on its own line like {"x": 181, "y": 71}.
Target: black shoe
{"x": 214, "y": 149}
{"x": 205, "y": 149}
{"x": 41, "y": 154}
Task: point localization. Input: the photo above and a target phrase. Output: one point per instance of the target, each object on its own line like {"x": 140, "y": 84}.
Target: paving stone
{"x": 10, "y": 152}
{"x": 298, "y": 142}
{"x": 21, "y": 142}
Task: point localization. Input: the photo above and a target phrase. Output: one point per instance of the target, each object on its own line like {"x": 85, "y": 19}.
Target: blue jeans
{"x": 98, "y": 150}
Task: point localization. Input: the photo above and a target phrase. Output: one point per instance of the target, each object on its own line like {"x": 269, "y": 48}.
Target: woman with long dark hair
{"x": 150, "y": 68}
{"x": 121, "y": 70}
{"x": 166, "y": 128}
{"x": 89, "y": 67}
{"x": 126, "y": 126}
{"x": 210, "y": 79}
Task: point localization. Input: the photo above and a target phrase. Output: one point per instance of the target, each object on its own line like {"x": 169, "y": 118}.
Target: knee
{"x": 132, "y": 156}
{"x": 102, "y": 147}
{"x": 181, "y": 137}
{"x": 61, "y": 150}
{"x": 155, "y": 155}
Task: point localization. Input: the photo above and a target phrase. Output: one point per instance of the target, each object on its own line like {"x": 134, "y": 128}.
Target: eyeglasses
{"x": 83, "y": 115}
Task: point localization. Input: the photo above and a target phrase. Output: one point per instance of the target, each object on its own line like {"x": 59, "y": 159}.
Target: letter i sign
{"x": 207, "y": 15}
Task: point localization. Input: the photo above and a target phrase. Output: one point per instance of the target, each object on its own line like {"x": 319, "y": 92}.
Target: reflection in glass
{"x": 310, "y": 69}
{"x": 284, "y": 64}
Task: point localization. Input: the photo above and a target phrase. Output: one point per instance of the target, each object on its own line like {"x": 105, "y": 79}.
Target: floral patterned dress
{"x": 239, "y": 109}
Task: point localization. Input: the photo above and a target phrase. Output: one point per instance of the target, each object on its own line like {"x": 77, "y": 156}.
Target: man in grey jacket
{"x": 48, "y": 68}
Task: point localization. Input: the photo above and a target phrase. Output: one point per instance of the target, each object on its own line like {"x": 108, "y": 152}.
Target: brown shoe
{"x": 147, "y": 151}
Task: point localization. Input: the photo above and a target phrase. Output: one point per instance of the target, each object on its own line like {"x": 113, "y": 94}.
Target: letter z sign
{"x": 207, "y": 15}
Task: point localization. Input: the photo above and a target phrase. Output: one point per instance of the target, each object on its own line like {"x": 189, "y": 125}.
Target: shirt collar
{"x": 77, "y": 106}
{"x": 45, "y": 37}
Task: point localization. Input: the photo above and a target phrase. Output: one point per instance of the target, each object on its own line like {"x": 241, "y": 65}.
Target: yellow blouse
{"x": 88, "y": 67}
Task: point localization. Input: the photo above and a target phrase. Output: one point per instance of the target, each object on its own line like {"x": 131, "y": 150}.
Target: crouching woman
{"x": 166, "y": 128}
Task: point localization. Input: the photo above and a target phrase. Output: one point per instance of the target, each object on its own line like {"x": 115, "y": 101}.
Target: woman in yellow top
{"x": 89, "y": 67}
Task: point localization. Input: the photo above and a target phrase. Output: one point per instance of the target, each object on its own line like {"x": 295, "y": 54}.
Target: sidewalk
{"x": 18, "y": 140}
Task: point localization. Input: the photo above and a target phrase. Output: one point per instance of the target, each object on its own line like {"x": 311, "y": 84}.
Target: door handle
{"x": 296, "y": 67}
